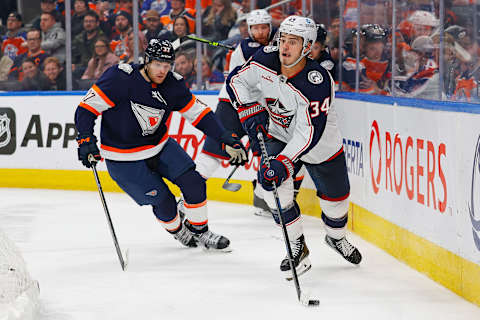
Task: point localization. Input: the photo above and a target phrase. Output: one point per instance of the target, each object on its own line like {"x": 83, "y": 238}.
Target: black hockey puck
{"x": 313, "y": 303}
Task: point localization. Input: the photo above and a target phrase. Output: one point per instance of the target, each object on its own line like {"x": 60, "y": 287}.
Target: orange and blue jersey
{"x": 135, "y": 113}
{"x": 14, "y": 46}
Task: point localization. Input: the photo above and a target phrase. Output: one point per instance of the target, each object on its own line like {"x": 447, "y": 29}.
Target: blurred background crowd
{"x": 425, "y": 49}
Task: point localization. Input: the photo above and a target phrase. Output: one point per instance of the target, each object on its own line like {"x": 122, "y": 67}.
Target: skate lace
{"x": 209, "y": 238}
{"x": 184, "y": 236}
{"x": 345, "y": 246}
{"x": 296, "y": 247}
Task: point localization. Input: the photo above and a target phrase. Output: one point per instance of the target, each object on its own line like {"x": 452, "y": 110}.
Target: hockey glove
{"x": 281, "y": 168}
{"x": 234, "y": 148}
{"x": 254, "y": 118}
{"x": 87, "y": 145}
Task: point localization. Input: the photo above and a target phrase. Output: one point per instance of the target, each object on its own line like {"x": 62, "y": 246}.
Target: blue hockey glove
{"x": 281, "y": 168}
{"x": 87, "y": 145}
{"x": 235, "y": 149}
{"x": 254, "y": 118}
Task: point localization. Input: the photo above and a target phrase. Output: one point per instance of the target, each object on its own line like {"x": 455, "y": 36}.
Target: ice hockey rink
{"x": 64, "y": 238}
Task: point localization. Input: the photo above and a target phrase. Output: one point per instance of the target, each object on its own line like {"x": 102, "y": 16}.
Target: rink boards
{"x": 414, "y": 173}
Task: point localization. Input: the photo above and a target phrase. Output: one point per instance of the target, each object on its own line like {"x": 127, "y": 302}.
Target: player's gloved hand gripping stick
{"x": 302, "y": 298}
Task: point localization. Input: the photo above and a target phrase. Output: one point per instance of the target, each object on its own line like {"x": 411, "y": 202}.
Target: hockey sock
{"x": 166, "y": 213}
{"x": 207, "y": 165}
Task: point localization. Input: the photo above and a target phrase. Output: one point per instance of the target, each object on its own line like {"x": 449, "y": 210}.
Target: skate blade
{"x": 212, "y": 250}
{"x": 302, "y": 268}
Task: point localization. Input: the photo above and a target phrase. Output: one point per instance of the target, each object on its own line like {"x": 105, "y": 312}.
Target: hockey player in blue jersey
{"x": 298, "y": 116}
{"x": 136, "y": 102}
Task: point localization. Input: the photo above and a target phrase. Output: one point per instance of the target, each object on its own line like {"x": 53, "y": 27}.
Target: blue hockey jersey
{"x": 135, "y": 112}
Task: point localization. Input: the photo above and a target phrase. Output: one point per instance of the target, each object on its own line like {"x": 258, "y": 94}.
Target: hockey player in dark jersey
{"x": 298, "y": 116}
{"x": 136, "y": 102}
{"x": 321, "y": 53}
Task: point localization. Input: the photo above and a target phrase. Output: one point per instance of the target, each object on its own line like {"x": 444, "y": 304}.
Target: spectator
{"x": 34, "y": 80}
{"x": 125, "y": 5}
{"x": 178, "y": 9}
{"x": 53, "y": 36}
{"x": 129, "y": 56}
{"x": 177, "y": 37}
{"x": 105, "y": 14}
{"x": 14, "y": 43}
{"x": 153, "y": 26}
{"x": 102, "y": 59}
{"x": 424, "y": 80}
{"x": 5, "y": 65}
{"x": 184, "y": 66}
{"x": 54, "y": 72}
{"x": 80, "y": 8}
{"x": 123, "y": 24}
{"x": 38, "y": 55}
{"x": 218, "y": 19}
{"x": 83, "y": 44}
{"x": 46, "y": 6}
{"x": 161, "y": 7}
{"x": 419, "y": 23}
{"x": 376, "y": 64}
{"x": 211, "y": 79}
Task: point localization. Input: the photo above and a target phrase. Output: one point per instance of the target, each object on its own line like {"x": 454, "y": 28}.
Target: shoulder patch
{"x": 327, "y": 64}
{"x": 315, "y": 77}
{"x": 253, "y": 44}
{"x": 268, "y": 49}
{"x": 125, "y": 67}
{"x": 177, "y": 75}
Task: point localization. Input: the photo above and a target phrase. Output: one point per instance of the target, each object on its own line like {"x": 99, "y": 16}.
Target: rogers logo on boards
{"x": 475, "y": 196}
{"x": 410, "y": 164}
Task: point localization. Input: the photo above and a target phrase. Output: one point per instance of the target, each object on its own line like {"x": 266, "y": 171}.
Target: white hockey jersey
{"x": 240, "y": 55}
{"x": 301, "y": 109}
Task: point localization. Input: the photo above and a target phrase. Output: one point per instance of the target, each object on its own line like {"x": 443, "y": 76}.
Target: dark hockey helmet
{"x": 161, "y": 50}
{"x": 321, "y": 33}
{"x": 374, "y": 32}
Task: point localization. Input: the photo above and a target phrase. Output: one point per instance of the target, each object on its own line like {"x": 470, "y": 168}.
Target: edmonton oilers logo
{"x": 474, "y": 207}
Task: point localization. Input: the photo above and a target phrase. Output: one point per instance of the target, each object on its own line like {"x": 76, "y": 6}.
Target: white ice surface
{"x": 65, "y": 240}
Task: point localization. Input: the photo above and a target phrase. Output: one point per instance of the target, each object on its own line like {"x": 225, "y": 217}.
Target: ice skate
{"x": 261, "y": 207}
{"x": 185, "y": 237}
{"x": 208, "y": 239}
{"x": 300, "y": 259}
{"x": 344, "y": 248}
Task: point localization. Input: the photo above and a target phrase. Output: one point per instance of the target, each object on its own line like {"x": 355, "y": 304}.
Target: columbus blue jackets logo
{"x": 277, "y": 112}
{"x": 474, "y": 207}
{"x": 149, "y": 118}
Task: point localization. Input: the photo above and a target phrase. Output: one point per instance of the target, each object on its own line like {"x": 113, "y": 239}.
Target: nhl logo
{"x": 5, "y": 134}
{"x": 315, "y": 77}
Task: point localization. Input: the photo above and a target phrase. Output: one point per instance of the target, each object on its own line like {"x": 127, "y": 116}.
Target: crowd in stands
{"x": 33, "y": 52}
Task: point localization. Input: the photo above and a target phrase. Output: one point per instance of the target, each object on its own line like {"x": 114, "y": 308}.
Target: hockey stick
{"x": 278, "y": 4}
{"x": 123, "y": 263}
{"x": 210, "y": 43}
{"x": 302, "y": 298}
{"x": 234, "y": 187}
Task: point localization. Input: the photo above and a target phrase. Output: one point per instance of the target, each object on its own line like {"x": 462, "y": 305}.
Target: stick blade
{"x": 234, "y": 187}
{"x": 307, "y": 302}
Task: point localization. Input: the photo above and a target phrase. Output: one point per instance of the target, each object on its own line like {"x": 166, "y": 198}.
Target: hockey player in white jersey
{"x": 260, "y": 30}
{"x": 297, "y": 115}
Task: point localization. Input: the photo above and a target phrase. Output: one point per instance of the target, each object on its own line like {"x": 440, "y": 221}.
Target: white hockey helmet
{"x": 300, "y": 26}
{"x": 259, "y": 16}
{"x": 423, "y": 18}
